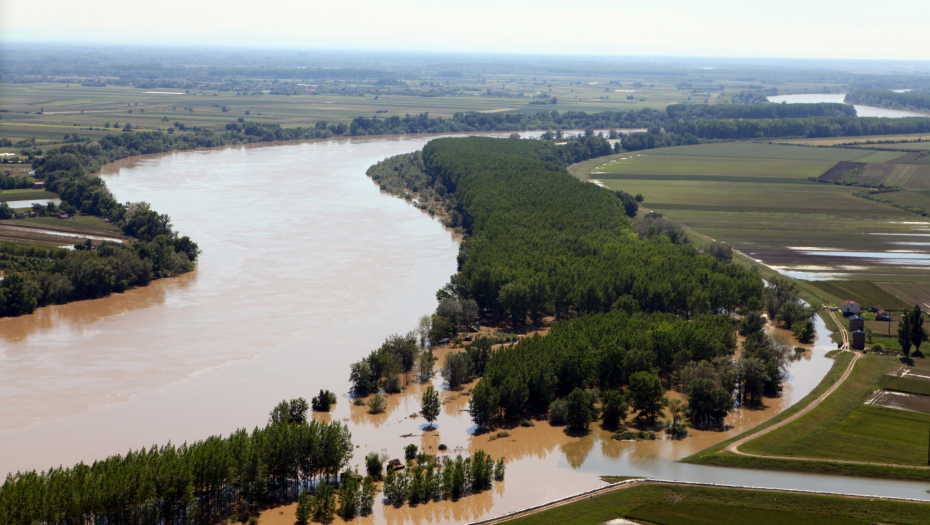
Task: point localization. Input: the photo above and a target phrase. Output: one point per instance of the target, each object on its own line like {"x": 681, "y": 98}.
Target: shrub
{"x": 324, "y": 401}
{"x": 377, "y": 404}
{"x": 410, "y": 451}
{"x": 557, "y": 412}
{"x": 442, "y": 446}
{"x": 526, "y": 423}
{"x": 359, "y": 402}
{"x": 373, "y": 466}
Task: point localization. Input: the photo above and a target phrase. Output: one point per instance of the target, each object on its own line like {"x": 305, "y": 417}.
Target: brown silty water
{"x": 306, "y": 267}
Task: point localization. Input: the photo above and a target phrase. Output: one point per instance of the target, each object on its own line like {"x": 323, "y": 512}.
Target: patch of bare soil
{"x": 900, "y": 401}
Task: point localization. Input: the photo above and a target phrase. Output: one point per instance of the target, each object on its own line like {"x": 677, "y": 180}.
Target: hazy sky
{"x": 890, "y": 29}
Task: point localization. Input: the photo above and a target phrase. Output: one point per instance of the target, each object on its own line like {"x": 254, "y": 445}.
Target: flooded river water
{"x": 306, "y": 267}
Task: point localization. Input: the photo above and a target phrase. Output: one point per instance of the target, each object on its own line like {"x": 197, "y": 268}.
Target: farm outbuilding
{"x": 856, "y": 322}
{"x": 850, "y": 307}
{"x": 882, "y": 315}
{"x": 38, "y": 185}
{"x": 858, "y": 340}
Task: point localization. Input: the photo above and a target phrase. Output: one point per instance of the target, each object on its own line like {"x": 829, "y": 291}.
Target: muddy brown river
{"x": 306, "y": 267}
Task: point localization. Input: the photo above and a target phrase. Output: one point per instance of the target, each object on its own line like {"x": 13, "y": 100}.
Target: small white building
{"x": 850, "y": 307}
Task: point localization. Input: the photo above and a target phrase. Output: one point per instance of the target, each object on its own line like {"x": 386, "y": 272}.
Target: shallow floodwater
{"x": 861, "y": 111}
{"x": 306, "y": 267}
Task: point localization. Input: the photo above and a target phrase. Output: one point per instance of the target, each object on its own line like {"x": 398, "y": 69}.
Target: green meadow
{"x": 689, "y": 505}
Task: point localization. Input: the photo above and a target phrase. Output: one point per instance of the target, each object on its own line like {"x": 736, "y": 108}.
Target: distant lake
{"x": 837, "y": 98}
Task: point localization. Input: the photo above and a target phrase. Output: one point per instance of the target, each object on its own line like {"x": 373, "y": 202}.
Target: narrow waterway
{"x": 306, "y": 267}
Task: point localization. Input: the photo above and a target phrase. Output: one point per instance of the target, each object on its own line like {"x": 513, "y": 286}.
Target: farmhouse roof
{"x": 850, "y": 301}
{"x": 857, "y": 318}
{"x": 881, "y": 312}
{"x": 858, "y": 332}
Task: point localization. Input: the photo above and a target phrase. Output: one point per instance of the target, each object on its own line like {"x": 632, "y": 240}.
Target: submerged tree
{"x": 430, "y": 405}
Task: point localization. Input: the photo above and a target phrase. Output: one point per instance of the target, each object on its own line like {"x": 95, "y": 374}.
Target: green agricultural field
{"x": 880, "y": 156}
{"x": 904, "y": 384}
{"x": 55, "y": 109}
{"x": 12, "y": 196}
{"x": 842, "y": 428}
{"x": 907, "y": 146}
{"x": 863, "y": 292}
{"x": 683, "y": 505}
{"x": 767, "y": 209}
{"x": 650, "y": 164}
{"x": 910, "y": 293}
{"x": 764, "y": 150}
{"x": 832, "y": 141}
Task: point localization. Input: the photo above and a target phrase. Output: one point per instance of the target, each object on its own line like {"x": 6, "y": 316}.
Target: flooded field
{"x": 306, "y": 267}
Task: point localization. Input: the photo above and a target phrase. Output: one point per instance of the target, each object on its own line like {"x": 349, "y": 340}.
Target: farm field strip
{"x": 759, "y": 150}
{"x": 721, "y": 166}
{"x": 832, "y": 141}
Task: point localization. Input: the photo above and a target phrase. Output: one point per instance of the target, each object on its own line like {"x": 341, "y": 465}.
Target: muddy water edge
{"x": 306, "y": 268}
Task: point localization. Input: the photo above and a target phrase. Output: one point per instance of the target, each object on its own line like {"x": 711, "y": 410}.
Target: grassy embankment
{"x": 841, "y": 429}
{"x": 689, "y": 505}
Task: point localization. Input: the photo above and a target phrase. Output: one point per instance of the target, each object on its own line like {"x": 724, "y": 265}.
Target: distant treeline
{"x": 204, "y": 482}
{"x": 734, "y": 129}
{"x": 889, "y": 99}
{"x": 758, "y": 111}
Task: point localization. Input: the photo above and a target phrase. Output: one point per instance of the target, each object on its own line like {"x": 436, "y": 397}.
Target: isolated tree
{"x": 918, "y": 333}
{"x": 904, "y": 333}
{"x": 675, "y": 425}
{"x": 430, "y": 405}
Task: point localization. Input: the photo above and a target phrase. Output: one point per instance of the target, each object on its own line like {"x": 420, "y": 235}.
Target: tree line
{"x": 758, "y": 111}
{"x": 35, "y": 276}
{"x": 204, "y": 482}
{"x": 889, "y": 99}
{"x": 736, "y": 129}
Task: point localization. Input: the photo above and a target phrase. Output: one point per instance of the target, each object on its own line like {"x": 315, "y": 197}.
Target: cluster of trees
{"x": 783, "y": 304}
{"x": 911, "y": 331}
{"x": 37, "y": 277}
{"x": 757, "y": 111}
{"x": 541, "y": 242}
{"x": 889, "y": 99}
{"x": 797, "y": 127}
{"x": 431, "y": 479}
{"x": 615, "y": 351}
{"x": 382, "y": 368}
{"x": 356, "y": 496}
{"x": 202, "y": 482}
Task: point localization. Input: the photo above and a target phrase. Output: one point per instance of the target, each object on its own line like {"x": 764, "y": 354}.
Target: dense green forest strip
{"x": 889, "y": 99}
{"x": 203, "y": 482}
{"x": 540, "y": 242}
{"x": 758, "y": 111}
